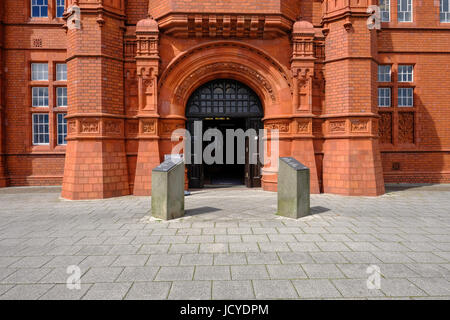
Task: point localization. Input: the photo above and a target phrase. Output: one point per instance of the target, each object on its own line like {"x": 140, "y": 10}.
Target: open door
{"x": 253, "y": 171}
{"x": 195, "y": 171}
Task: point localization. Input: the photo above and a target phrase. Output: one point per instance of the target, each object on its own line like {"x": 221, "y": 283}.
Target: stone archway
{"x": 227, "y": 60}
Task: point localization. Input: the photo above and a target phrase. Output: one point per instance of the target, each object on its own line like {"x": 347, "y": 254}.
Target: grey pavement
{"x": 230, "y": 245}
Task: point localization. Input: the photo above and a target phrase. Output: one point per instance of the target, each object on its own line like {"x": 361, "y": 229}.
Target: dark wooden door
{"x": 195, "y": 171}
{"x": 253, "y": 171}
{"x": 224, "y": 98}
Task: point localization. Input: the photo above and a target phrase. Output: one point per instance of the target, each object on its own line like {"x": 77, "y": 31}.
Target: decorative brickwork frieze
{"x": 385, "y": 127}
{"x": 406, "y": 128}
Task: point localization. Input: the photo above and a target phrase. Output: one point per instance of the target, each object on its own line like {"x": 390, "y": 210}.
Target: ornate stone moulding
{"x": 95, "y": 128}
{"x": 351, "y": 127}
{"x": 223, "y": 58}
{"x": 223, "y": 45}
{"x": 225, "y": 66}
{"x": 212, "y": 25}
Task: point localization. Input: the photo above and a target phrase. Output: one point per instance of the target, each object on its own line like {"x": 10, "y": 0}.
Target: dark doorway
{"x": 225, "y": 174}
{"x": 224, "y": 104}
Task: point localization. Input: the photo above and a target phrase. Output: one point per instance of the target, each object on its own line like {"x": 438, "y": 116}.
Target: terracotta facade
{"x": 133, "y": 64}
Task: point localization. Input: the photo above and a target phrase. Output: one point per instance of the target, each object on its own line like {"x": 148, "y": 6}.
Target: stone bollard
{"x": 293, "y": 189}
{"x": 168, "y": 190}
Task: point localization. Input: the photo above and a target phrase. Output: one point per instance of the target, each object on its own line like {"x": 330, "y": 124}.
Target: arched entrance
{"x": 224, "y": 104}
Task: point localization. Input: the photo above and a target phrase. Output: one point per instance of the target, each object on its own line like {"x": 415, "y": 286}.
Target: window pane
{"x": 385, "y": 10}
{"x": 39, "y": 71}
{"x": 404, "y": 8}
{"x": 405, "y": 73}
{"x": 39, "y": 97}
{"x": 384, "y": 73}
{"x": 384, "y": 97}
{"x": 405, "y": 97}
{"x": 61, "y": 97}
{"x": 445, "y": 11}
{"x": 39, "y": 8}
{"x": 61, "y": 72}
{"x": 59, "y": 8}
{"x": 40, "y": 129}
{"x": 62, "y": 128}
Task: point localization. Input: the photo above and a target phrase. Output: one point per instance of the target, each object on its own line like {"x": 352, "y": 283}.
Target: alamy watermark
{"x": 374, "y": 280}
{"x": 73, "y": 281}
{"x": 374, "y": 21}
{"x": 237, "y": 147}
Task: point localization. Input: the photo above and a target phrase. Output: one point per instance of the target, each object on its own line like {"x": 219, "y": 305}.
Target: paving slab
{"x": 241, "y": 250}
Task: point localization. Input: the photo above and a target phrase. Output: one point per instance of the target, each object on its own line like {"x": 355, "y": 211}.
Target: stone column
{"x": 302, "y": 66}
{"x": 147, "y": 63}
{"x": 95, "y": 165}
{"x": 352, "y": 161}
{"x": 3, "y": 181}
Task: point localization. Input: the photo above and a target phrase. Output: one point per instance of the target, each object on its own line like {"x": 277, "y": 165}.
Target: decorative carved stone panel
{"x": 113, "y": 127}
{"x": 385, "y": 127}
{"x": 337, "y": 126}
{"x": 406, "y": 127}
{"x": 359, "y": 126}
{"x": 282, "y": 127}
{"x": 90, "y": 126}
{"x": 303, "y": 127}
{"x": 72, "y": 127}
{"x": 148, "y": 127}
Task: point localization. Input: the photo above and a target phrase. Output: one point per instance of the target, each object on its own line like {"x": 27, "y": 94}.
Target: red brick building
{"x": 359, "y": 106}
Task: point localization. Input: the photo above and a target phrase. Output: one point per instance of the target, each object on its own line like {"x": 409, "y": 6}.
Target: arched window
{"x": 224, "y": 98}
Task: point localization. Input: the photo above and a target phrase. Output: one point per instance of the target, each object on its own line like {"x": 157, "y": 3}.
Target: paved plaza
{"x": 230, "y": 245}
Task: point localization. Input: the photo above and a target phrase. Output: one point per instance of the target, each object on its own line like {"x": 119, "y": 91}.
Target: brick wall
{"x": 424, "y": 43}
{"x": 3, "y": 181}
{"x": 287, "y": 7}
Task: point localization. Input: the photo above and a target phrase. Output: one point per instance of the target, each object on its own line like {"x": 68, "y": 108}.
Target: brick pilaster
{"x": 3, "y": 181}
{"x": 147, "y": 64}
{"x": 96, "y": 165}
{"x": 302, "y": 66}
{"x": 352, "y": 161}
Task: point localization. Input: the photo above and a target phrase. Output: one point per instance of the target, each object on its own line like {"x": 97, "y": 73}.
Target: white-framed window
{"x": 40, "y": 129}
{"x": 39, "y": 8}
{"x": 405, "y": 73}
{"x": 39, "y": 71}
{"x": 39, "y": 96}
{"x": 59, "y": 8}
{"x": 404, "y": 10}
{"x": 384, "y": 73}
{"x": 61, "y": 123}
{"x": 445, "y": 11}
{"x": 61, "y": 72}
{"x": 61, "y": 96}
{"x": 405, "y": 97}
{"x": 385, "y": 10}
{"x": 384, "y": 97}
